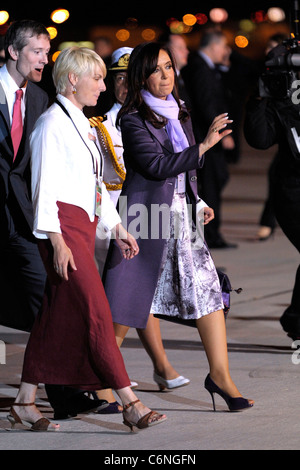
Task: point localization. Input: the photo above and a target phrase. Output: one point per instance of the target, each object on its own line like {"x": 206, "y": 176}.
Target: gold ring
{"x": 215, "y": 129}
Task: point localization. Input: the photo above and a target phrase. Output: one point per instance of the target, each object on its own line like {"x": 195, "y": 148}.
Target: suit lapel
{"x": 161, "y": 135}
{"x": 7, "y": 151}
{"x": 189, "y": 132}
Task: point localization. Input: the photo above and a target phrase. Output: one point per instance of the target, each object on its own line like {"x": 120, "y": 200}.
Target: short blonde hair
{"x": 77, "y": 60}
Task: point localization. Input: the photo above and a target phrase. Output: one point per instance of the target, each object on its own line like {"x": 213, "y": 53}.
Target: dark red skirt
{"x": 73, "y": 341}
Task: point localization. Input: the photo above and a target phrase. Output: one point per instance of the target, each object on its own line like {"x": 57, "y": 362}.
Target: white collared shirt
{"x": 207, "y": 59}
{"x": 10, "y": 87}
{"x": 63, "y": 169}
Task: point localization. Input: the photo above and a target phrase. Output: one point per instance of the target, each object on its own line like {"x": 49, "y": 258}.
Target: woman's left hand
{"x": 209, "y": 215}
{"x": 127, "y": 243}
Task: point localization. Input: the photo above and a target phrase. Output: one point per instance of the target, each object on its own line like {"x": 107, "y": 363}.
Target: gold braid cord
{"x": 106, "y": 142}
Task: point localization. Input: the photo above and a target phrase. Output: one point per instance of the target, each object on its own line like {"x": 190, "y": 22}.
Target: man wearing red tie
{"x": 22, "y": 275}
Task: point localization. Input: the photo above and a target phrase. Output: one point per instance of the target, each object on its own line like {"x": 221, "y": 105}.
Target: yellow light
{"x": 189, "y": 19}
{"x": 52, "y": 31}
{"x": 66, "y": 44}
{"x": 88, "y": 44}
{"x": 59, "y": 16}
{"x": 148, "y": 34}
{"x": 247, "y": 25}
{"x": 178, "y": 27}
{"x": 218, "y": 15}
{"x": 123, "y": 35}
{"x": 3, "y": 16}
{"x": 241, "y": 41}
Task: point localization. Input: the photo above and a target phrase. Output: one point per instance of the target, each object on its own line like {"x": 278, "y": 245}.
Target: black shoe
{"x": 80, "y": 404}
{"x": 68, "y": 402}
{"x": 290, "y": 322}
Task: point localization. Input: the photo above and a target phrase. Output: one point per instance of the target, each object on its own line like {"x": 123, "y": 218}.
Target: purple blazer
{"x": 151, "y": 170}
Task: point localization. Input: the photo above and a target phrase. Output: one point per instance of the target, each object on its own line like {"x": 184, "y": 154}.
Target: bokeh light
{"x": 201, "y": 18}
{"x": 55, "y": 55}
{"x": 218, "y": 15}
{"x": 52, "y": 31}
{"x": 123, "y": 35}
{"x": 258, "y": 16}
{"x": 189, "y": 19}
{"x": 131, "y": 23}
{"x": 176, "y": 26}
{"x": 4, "y": 15}
{"x": 59, "y": 16}
{"x": 276, "y": 14}
{"x": 241, "y": 41}
{"x": 247, "y": 25}
{"x": 148, "y": 34}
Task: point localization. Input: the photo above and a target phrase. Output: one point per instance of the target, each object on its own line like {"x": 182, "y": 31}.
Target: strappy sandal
{"x": 145, "y": 421}
{"x": 41, "y": 425}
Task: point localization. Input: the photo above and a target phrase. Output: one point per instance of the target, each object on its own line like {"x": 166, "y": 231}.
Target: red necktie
{"x": 17, "y": 122}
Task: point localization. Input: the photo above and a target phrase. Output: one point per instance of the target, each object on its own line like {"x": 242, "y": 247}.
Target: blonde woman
{"x": 72, "y": 342}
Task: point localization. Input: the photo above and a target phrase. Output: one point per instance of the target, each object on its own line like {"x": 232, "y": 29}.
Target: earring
{"x": 74, "y": 91}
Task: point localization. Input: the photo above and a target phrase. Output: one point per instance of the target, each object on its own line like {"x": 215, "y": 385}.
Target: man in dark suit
{"x": 205, "y": 87}
{"x": 22, "y": 273}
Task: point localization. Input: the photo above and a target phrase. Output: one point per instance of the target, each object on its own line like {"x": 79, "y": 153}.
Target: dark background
{"x": 90, "y": 13}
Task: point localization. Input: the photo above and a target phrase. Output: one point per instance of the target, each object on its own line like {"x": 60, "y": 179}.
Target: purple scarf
{"x": 169, "y": 109}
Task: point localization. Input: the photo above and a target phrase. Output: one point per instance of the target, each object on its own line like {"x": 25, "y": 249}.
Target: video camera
{"x": 282, "y": 64}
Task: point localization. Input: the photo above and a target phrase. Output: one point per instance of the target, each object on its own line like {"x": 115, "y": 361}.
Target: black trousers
{"x": 212, "y": 179}
{"x": 22, "y": 281}
{"x": 287, "y": 210}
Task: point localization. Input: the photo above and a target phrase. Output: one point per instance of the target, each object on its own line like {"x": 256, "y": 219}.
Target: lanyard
{"x": 95, "y": 165}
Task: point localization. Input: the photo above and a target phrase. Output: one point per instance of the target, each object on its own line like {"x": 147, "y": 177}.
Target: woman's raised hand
{"x": 216, "y": 132}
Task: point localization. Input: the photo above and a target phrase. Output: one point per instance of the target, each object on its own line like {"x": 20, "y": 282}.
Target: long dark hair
{"x": 142, "y": 63}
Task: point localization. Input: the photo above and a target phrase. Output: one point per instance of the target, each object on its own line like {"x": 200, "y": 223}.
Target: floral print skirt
{"x": 188, "y": 286}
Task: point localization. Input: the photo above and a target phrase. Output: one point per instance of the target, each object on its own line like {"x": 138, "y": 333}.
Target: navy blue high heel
{"x": 234, "y": 404}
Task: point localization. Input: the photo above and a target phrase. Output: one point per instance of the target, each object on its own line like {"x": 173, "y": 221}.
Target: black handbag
{"x": 226, "y": 290}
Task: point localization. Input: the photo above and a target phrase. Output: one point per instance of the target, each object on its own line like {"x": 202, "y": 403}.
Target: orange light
{"x": 55, "y": 55}
{"x": 189, "y": 19}
{"x": 148, "y": 34}
{"x": 122, "y": 35}
{"x": 241, "y": 41}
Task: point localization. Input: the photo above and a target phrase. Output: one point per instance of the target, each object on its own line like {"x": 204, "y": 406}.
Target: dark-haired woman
{"x": 173, "y": 275}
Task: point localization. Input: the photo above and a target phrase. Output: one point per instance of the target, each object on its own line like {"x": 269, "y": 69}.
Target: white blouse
{"x": 63, "y": 169}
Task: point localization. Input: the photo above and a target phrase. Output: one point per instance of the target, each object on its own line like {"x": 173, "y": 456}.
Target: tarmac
{"x": 263, "y": 360}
